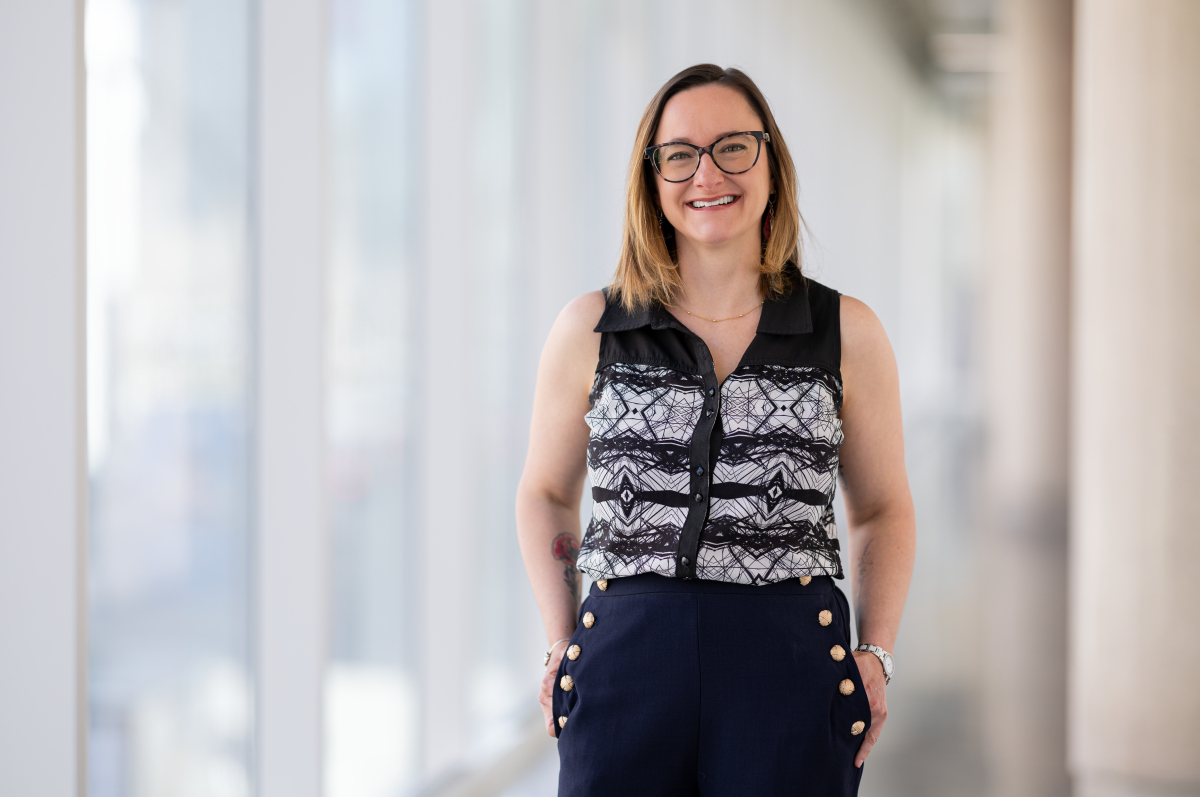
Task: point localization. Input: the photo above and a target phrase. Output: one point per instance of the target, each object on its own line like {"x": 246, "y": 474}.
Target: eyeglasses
{"x": 733, "y": 154}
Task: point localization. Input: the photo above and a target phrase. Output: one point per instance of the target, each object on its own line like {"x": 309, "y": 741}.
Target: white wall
{"x": 42, "y": 463}
{"x": 1135, "y": 509}
{"x": 292, "y": 555}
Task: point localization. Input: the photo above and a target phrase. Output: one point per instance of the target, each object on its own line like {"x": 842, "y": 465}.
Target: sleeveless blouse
{"x": 726, "y": 482}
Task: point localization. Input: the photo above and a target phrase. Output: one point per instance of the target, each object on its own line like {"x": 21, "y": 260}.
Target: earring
{"x": 767, "y": 218}
{"x": 664, "y": 226}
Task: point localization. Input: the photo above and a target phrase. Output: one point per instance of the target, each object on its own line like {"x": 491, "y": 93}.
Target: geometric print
{"x": 770, "y": 512}
{"x": 642, "y": 421}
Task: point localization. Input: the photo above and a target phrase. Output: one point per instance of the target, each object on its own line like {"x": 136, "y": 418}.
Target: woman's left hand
{"x": 871, "y": 670}
{"x": 546, "y": 695}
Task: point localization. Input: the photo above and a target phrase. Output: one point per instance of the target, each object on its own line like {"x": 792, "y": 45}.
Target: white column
{"x": 451, "y": 400}
{"x": 1135, "y": 493}
{"x": 1026, "y": 303}
{"x": 43, "y": 459}
{"x": 292, "y": 562}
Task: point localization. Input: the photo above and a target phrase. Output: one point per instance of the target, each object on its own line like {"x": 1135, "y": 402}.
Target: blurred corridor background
{"x": 252, "y": 544}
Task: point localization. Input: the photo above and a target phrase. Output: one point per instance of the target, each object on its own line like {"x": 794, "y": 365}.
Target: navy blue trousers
{"x": 707, "y": 688}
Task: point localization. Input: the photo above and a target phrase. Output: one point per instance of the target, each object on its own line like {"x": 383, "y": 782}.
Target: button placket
{"x": 700, "y": 450}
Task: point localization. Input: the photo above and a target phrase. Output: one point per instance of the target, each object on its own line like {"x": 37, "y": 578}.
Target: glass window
{"x": 373, "y": 681}
{"x": 383, "y": 734}
{"x": 168, "y": 127}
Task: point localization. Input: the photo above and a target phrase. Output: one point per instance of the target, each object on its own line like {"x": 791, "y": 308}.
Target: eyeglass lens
{"x": 732, "y": 154}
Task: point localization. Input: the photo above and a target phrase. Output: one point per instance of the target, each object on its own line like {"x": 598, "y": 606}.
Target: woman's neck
{"x": 719, "y": 281}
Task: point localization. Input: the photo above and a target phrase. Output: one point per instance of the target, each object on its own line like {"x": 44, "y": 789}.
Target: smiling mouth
{"x": 700, "y": 203}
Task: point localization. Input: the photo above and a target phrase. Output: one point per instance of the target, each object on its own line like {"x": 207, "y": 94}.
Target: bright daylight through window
{"x": 170, "y": 688}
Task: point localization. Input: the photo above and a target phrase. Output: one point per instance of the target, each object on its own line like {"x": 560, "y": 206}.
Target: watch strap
{"x": 884, "y": 657}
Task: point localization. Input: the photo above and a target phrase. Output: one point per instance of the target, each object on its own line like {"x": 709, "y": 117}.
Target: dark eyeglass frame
{"x": 758, "y": 134}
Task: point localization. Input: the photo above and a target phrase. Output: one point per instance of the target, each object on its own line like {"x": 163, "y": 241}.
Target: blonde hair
{"x": 646, "y": 270}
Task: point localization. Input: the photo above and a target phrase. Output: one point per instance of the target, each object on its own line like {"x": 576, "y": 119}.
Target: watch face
{"x": 887, "y": 664}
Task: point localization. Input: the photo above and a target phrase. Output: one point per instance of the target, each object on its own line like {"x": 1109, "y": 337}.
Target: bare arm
{"x": 879, "y": 508}
{"x": 552, "y": 482}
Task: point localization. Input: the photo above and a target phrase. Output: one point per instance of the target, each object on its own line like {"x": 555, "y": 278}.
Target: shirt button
{"x": 846, "y": 687}
{"x": 837, "y": 652}
{"x": 566, "y": 683}
{"x": 573, "y": 652}
{"x": 699, "y": 470}
{"x": 685, "y": 560}
{"x": 707, "y": 413}
{"x": 589, "y": 619}
{"x": 699, "y": 498}
{"x": 825, "y": 617}
{"x": 712, "y": 392}
{"x": 857, "y": 728}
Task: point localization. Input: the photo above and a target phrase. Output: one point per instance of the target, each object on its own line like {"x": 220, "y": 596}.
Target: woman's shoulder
{"x": 573, "y": 346}
{"x": 577, "y": 320}
{"x": 856, "y": 317}
{"x": 866, "y": 351}
{"x": 584, "y": 311}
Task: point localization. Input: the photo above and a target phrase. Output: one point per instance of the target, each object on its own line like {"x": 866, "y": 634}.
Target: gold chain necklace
{"x": 718, "y": 320}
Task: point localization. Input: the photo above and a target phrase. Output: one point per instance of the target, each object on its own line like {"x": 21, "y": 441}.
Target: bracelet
{"x": 546, "y": 660}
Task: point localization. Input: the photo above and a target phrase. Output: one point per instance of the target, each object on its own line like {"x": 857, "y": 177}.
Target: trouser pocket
{"x": 563, "y": 696}
{"x": 852, "y": 715}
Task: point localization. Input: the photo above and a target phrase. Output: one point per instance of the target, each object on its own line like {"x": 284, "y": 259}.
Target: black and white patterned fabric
{"x": 727, "y": 482}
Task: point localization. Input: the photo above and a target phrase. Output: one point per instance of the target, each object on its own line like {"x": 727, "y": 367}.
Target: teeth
{"x": 725, "y": 200}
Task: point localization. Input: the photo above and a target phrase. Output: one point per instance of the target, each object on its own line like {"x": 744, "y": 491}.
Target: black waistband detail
{"x": 653, "y": 582}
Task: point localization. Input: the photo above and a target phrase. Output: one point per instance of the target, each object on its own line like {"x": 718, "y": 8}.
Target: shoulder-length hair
{"x": 647, "y": 271}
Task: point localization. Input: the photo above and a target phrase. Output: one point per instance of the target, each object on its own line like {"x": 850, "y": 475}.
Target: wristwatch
{"x": 884, "y": 657}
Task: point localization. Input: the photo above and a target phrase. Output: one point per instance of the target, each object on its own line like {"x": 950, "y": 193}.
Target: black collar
{"x": 790, "y": 315}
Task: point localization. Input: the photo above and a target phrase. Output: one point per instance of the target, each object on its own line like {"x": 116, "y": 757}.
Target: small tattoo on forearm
{"x": 864, "y": 560}
{"x": 565, "y": 549}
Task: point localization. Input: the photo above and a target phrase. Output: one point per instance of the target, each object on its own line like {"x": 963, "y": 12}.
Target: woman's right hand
{"x": 546, "y": 696}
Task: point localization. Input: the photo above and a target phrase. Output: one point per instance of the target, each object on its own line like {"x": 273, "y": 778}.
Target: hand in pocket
{"x": 871, "y": 671}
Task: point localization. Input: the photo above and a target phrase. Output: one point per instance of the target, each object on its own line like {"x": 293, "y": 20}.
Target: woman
{"x": 713, "y": 394}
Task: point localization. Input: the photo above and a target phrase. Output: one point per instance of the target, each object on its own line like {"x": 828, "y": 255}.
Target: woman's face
{"x": 701, "y": 116}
